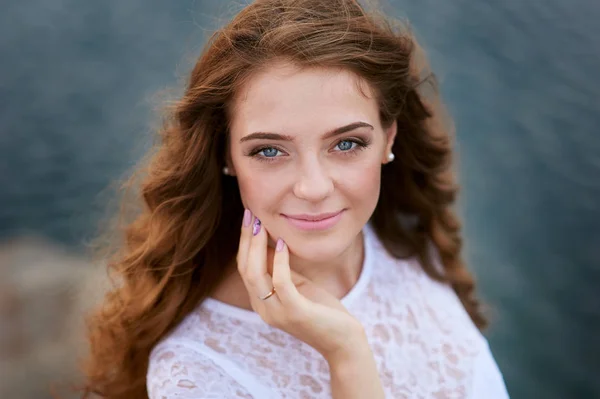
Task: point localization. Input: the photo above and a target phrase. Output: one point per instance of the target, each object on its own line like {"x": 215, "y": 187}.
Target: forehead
{"x": 302, "y": 100}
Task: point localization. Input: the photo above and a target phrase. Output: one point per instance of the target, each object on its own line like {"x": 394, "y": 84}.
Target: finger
{"x": 258, "y": 280}
{"x": 282, "y": 277}
{"x": 245, "y": 238}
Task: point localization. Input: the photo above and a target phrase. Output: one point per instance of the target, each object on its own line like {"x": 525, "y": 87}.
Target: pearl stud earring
{"x": 225, "y": 170}
{"x": 391, "y": 156}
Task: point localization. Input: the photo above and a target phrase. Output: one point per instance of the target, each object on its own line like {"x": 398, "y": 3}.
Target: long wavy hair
{"x": 175, "y": 249}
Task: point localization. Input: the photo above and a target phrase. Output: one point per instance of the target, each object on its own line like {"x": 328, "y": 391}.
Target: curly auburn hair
{"x": 174, "y": 251}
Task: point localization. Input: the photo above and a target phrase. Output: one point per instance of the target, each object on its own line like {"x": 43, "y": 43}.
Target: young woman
{"x": 297, "y": 237}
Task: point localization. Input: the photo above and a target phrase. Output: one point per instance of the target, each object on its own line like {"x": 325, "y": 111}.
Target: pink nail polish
{"x": 256, "y": 227}
{"x": 247, "y": 217}
{"x": 279, "y": 246}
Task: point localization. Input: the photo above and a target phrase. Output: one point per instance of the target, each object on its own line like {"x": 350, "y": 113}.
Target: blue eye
{"x": 346, "y": 145}
{"x": 269, "y": 152}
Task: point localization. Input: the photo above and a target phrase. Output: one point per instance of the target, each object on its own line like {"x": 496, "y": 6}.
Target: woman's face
{"x": 307, "y": 149}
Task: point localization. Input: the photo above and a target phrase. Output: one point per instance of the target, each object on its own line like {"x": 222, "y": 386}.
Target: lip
{"x": 322, "y": 221}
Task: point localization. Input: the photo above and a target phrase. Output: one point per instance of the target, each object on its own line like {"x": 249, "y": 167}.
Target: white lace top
{"x": 424, "y": 344}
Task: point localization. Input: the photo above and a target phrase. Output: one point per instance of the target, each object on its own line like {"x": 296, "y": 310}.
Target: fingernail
{"x": 247, "y": 217}
{"x": 279, "y": 246}
{"x": 256, "y": 227}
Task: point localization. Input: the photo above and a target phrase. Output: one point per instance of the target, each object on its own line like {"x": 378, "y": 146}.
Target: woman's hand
{"x": 298, "y": 306}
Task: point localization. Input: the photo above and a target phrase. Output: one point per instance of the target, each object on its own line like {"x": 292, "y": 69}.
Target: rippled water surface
{"x": 521, "y": 79}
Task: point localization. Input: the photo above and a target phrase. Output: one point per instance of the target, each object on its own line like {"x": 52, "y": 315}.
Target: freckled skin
{"x": 311, "y": 174}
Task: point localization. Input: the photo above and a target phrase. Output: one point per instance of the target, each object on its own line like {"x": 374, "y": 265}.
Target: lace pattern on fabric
{"x": 424, "y": 343}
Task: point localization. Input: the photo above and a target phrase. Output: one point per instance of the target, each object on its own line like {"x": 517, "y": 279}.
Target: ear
{"x": 390, "y": 134}
{"x": 230, "y": 167}
{"x": 228, "y": 161}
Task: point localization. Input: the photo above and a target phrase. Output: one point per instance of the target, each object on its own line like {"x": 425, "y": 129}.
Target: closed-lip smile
{"x": 313, "y": 218}
{"x": 321, "y": 221}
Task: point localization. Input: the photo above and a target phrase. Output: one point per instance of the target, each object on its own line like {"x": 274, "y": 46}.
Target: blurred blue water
{"x": 520, "y": 78}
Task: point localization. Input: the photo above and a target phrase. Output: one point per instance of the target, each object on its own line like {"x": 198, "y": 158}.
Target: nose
{"x": 314, "y": 183}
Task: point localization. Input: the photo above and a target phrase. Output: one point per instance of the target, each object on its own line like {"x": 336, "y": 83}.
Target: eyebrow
{"x": 285, "y": 137}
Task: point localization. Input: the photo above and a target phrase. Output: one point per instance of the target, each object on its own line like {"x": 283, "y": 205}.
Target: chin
{"x": 318, "y": 248}
{"x": 317, "y": 254}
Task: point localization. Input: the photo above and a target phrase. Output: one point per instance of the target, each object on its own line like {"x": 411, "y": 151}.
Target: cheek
{"x": 257, "y": 193}
{"x": 361, "y": 183}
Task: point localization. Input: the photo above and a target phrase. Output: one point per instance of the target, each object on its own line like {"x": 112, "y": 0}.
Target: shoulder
{"x": 488, "y": 381}
{"x": 183, "y": 368}
{"x": 190, "y": 363}
{"x": 178, "y": 370}
{"x": 434, "y": 302}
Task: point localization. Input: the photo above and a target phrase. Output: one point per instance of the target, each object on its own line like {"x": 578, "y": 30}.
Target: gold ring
{"x": 268, "y": 295}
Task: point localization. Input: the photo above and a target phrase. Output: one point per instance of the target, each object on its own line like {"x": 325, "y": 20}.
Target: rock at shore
{"x": 44, "y": 294}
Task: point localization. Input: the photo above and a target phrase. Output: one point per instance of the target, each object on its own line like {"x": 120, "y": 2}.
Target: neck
{"x": 337, "y": 275}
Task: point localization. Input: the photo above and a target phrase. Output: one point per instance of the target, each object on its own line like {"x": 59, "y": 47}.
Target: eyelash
{"x": 360, "y": 145}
